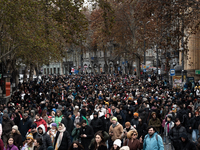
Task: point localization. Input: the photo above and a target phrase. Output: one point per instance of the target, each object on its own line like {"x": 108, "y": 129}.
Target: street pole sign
{"x": 172, "y": 72}
{"x": 197, "y": 71}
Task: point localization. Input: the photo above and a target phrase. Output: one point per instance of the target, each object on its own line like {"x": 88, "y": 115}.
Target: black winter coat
{"x": 101, "y": 147}
{"x": 24, "y": 126}
{"x": 17, "y": 139}
{"x": 96, "y": 124}
{"x": 195, "y": 122}
{"x": 66, "y": 141}
{"x": 175, "y": 133}
{"x": 107, "y": 125}
{"x": 85, "y": 141}
{"x": 7, "y": 125}
{"x": 187, "y": 145}
{"x": 69, "y": 125}
{"x": 142, "y": 130}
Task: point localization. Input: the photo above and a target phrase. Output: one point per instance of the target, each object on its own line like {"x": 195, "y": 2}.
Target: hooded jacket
{"x": 187, "y": 144}
{"x": 175, "y": 133}
{"x": 68, "y": 122}
{"x": 96, "y": 123}
{"x": 7, "y": 124}
{"x": 46, "y": 140}
{"x": 24, "y": 126}
{"x": 32, "y": 118}
{"x": 41, "y": 121}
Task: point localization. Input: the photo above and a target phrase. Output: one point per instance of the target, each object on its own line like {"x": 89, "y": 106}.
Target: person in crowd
{"x": 39, "y": 120}
{"x": 175, "y": 133}
{"x": 132, "y": 142}
{"x": 58, "y": 117}
{"x": 76, "y": 132}
{"x": 62, "y": 140}
{"x": 127, "y": 128}
{"x": 52, "y": 132}
{"x": 115, "y": 130}
{"x": 96, "y": 123}
{"x": 76, "y": 146}
{"x": 86, "y": 134}
{"x": 1, "y": 145}
{"x": 49, "y": 122}
{"x": 29, "y": 143}
{"x": 16, "y": 136}
{"x": 24, "y": 126}
{"x": 7, "y": 125}
{"x": 10, "y": 144}
{"x": 99, "y": 142}
{"x": 38, "y": 145}
{"x": 141, "y": 128}
{"x": 33, "y": 130}
{"x": 169, "y": 124}
{"x": 46, "y": 140}
{"x": 134, "y": 121}
{"x": 68, "y": 122}
{"x": 153, "y": 140}
{"x": 155, "y": 122}
{"x": 116, "y": 144}
{"x": 194, "y": 126}
{"x": 186, "y": 144}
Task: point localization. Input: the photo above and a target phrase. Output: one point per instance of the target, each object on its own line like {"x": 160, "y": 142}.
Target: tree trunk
{"x": 25, "y": 74}
{"x": 31, "y": 72}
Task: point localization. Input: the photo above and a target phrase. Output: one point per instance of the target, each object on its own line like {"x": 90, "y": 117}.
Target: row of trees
{"x": 135, "y": 25}
{"x": 37, "y": 32}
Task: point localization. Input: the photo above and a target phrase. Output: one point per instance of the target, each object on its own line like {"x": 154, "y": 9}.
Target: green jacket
{"x": 75, "y": 134}
{"x": 58, "y": 119}
{"x": 155, "y": 123}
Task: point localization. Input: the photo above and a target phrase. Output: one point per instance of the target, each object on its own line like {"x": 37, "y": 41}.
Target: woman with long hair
{"x": 38, "y": 144}
{"x": 16, "y": 136}
{"x": 99, "y": 143}
{"x": 76, "y": 146}
{"x": 116, "y": 144}
{"x": 10, "y": 144}
{"x": 132, "y": 142}
{"x": 29, "y": 143}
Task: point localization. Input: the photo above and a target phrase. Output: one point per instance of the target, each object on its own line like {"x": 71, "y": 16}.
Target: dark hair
{"x": 78, "y": 123}
{"x": 38, "y": 114}
{"x": 102, "y": 139}
{"x": 39, "y": 140}
{"x": 83, "y": 121}
{"x": 177, "y": 119}
{"x": 80, "y": 147}
{"x": 152, "y": 128}
{"x": 7, "y": 141}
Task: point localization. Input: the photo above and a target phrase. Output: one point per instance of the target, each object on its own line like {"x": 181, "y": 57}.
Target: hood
{"x": 5, "y": 115}
{"x": 43, "y": 128}
{"x": 184, "y": 135}
{"x": 67, "y": 115}
{"x": 33, "y": 111}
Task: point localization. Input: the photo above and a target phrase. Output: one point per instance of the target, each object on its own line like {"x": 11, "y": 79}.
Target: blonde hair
{"x": 130, "y": 133}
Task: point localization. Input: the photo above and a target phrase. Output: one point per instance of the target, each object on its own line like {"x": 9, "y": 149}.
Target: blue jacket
{"x": 153, "y": 143}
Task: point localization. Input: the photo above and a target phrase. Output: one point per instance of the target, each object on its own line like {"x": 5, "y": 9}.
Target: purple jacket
{"x": 11, "y": 147}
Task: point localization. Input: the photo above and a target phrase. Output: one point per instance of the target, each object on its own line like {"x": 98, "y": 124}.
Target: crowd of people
{"x": 100, "y": 112}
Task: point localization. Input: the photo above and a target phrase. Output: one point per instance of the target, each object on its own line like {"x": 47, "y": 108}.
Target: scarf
{"x": 60, "y": 136}
{"x": 114, "y": 125}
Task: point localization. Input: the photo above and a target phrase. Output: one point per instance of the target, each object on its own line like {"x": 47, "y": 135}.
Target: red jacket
{"x": 1, "y": 144}
{"x": 41, "y": 121}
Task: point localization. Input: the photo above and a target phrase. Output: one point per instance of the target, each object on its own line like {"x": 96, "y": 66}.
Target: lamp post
{"x": 145, "y": 42}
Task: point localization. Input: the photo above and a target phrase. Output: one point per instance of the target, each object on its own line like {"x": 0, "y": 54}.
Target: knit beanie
{"x": 50, "y": 148}
{"x": 117, "y": 142}
{"x": 136, "y": 114}
{"x": 124, "y": 148}
{"x": 15, "y": 127}
{"x": 114, "y": 119}
{"x": 29, "y": 136}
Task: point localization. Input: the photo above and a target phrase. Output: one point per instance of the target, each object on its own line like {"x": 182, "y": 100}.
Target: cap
{"x": 117, "y": 142}
{"x": 114, "y": 119}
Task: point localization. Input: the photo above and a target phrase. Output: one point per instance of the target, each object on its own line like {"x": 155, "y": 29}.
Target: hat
{"x": 50, "y": 148}
{"x": 136, "y": 114}
{"x": 114, "y": 119}
{"x": 76, "y": 107}
{"x": 153, "y": 113}
{"x": 33, "y": 126}
{"x": 107, "y": 103}
{"x": 184, "y": 135}
{"x": 144, "y": 99}
{"x": 29, "y": 136}
{"x": 54, "y": 110}
{"x": 15, "y": 127}
{"x": 127, "y": 124}
{"x": 54, "y": 124}
{"x": 25, "y": 114}
{"x": 117, "y": 142}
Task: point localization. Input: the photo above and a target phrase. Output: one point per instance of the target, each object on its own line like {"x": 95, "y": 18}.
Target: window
{"x": 54, "y": 70}
{"x": 45, "y": 71}
{"x": 58, "y": 70}
{"x": 51, "y": 70}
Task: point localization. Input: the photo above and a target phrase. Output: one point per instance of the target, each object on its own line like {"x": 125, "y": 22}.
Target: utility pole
{"x": 182, "y": 48}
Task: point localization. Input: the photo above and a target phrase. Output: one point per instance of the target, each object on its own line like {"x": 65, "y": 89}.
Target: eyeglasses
{"x": 28, "y": 139}
{"x": 135, "y": 134}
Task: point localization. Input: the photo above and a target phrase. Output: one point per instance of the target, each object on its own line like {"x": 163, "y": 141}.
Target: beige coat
{"x": 117, "y": 132}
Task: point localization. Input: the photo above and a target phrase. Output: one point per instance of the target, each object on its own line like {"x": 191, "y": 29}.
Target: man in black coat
{"x": 186, "y": 144}
{"x": 68, "y": 122}
{"x": 86, "y": 134}
{"x": 96, "y": 123}
{"x": 24, "y": 126}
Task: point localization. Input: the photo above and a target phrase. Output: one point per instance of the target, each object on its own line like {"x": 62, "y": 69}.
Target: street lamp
{"x": 144, "y": 42}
